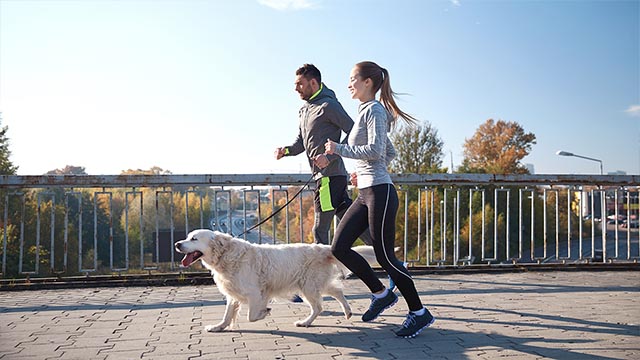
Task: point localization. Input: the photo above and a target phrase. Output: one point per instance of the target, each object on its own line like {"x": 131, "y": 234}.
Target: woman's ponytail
{"x": 380, "y": 78}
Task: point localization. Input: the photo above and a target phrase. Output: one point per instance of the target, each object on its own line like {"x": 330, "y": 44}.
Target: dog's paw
{"x": 215, "y": 328}
{"x": 302, "y": 323}
{"x": 264, "y": 313}
{"x": 258, "y": 315}
{"x": 348, "y": 315}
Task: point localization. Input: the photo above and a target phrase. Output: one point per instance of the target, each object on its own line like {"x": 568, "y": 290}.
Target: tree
{"x": 497, "y": 148}
{"x": 300, "y": 213}
{"x": 6, "y": 166}
{"x": 68, "y": 170}
{"x": 418, "y": 149}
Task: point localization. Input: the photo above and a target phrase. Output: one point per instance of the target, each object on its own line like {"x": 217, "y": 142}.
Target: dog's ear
{"x": 221, "y": 247}
{"x": 218, "y": 242}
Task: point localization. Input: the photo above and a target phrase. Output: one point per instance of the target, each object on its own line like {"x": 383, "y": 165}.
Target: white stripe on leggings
{"x": 384, "y": 216}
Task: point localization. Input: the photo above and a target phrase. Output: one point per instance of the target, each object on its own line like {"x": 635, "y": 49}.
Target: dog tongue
{"x": 188, "y": 259}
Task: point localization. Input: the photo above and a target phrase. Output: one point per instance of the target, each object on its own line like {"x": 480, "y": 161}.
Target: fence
{"x": 66, "y": 225}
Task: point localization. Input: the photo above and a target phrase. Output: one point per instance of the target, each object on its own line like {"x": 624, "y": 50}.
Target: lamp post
{"x": 566, "y": 153}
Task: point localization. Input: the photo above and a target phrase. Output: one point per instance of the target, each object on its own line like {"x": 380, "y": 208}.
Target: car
{"x": 611, "y": 219}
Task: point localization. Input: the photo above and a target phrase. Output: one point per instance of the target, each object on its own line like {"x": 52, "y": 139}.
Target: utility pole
{"x": 451, "y": 154}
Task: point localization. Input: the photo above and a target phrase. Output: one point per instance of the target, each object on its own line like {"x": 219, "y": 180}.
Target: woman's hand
{"x": 329, "y": 147}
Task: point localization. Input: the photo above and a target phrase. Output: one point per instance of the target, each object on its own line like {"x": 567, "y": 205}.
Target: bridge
{"x": 514, "y": 267}
{"x": 70, "y": 225}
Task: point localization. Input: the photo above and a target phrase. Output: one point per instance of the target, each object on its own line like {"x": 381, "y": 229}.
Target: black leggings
{"x": 376, "y": 208}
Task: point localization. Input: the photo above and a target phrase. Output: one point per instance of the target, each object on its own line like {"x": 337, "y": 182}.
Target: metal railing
{"x": 68, "y": 225}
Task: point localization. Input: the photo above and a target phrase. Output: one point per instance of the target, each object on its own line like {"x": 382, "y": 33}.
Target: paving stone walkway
{"x": 530, "y": 315}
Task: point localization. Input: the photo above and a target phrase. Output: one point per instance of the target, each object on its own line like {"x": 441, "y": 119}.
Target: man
{"x": 321, "y": 118}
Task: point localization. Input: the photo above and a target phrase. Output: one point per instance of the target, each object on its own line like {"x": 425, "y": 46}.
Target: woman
{"x": 377, "y": 201}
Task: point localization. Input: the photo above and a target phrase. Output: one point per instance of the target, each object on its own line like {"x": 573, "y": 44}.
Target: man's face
{"x": 304, "y": 87}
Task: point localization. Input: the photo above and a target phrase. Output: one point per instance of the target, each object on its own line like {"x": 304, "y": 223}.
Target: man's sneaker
{"x": 414, "y": 324}
{"x": 379, "y": 305}
{"x": 296, "y": 299}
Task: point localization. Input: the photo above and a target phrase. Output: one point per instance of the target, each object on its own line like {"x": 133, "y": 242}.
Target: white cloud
{"x": 283, "y": 5}
{"x": 633, "y": 110}
{"x": 455, "y": 2}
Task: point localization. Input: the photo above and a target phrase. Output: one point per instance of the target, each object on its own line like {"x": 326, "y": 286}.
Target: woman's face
{"x": 360, "y": 89}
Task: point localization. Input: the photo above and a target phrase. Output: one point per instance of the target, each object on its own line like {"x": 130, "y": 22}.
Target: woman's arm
{"x": 369, "y": 143}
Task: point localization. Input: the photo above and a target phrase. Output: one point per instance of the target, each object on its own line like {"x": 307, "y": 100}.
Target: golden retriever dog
{"x": 253, "y": 275}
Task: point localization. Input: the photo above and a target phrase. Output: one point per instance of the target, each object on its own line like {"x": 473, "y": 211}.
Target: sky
{"x": 207, "y": 86}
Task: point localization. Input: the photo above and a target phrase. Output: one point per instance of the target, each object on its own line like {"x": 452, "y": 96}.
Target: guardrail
{"x": 69, "y": 225}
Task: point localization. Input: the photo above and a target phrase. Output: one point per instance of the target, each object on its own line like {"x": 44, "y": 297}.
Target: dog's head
{"x": 201, "y": 244}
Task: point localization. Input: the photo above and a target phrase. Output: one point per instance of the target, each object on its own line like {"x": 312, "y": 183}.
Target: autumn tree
{"x": 497, "y": 148}
{"x": 299, "y": 215}
{"x": 68, "y": 170}
{"x": 418, "y": 149}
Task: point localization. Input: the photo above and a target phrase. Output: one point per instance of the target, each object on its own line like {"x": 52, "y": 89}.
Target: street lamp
{"x": 566, "y": 153}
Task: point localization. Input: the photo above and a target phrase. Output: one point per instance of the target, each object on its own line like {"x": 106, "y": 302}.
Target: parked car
{"x": 611, "y": 219}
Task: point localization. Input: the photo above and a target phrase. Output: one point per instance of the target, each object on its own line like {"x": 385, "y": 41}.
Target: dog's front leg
{"x": 258, "y": 309}
{"x": 230, "y": 314}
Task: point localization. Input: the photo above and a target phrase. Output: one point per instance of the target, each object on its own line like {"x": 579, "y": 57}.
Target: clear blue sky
{"x": 206, "y": 86}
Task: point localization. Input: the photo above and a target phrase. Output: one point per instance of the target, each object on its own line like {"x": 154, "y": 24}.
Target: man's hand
{"x": 279, "y": 153}
{"x": 321, "y": 161}
{"x": 354, "y": 179}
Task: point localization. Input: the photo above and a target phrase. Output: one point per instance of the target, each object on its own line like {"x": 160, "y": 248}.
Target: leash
{"x": 280, "y": 209}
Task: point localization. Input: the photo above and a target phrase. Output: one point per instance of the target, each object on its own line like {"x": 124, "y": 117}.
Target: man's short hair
{"x": 309, "y": 71}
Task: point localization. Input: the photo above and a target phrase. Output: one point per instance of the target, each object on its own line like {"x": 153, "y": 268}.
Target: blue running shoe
{"x": 414, "y": 324}
{"x": 296, "y": 299}
{"x": 392, "y": 285}
{"x": 377, "y": 306}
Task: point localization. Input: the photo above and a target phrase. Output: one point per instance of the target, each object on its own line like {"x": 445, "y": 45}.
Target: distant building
{"x": 619, "y": 172}
{"x": 531, "y": 168}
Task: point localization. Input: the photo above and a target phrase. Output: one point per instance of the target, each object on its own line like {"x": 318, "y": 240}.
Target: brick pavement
{"x": 530, "y": 315}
